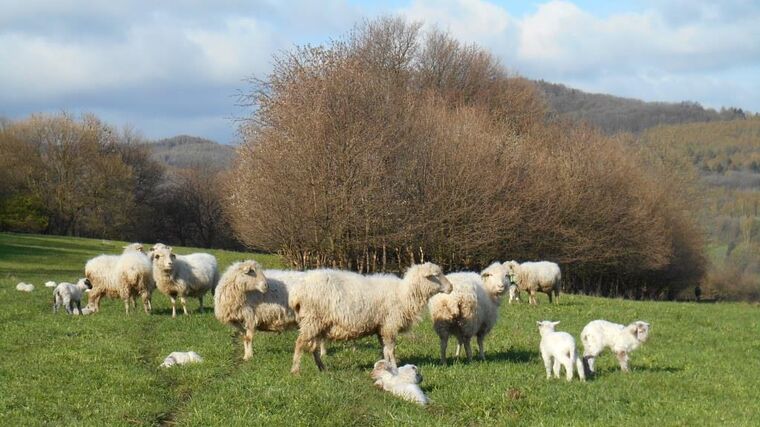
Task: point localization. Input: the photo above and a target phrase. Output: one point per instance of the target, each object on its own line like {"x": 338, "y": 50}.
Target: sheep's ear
{"x": 539, "y": 323}
{"x": 484, "y": 275}
{"x": 174, "y": 256}
{"x": 250, "y": 268}
{"x": 555, "y": 323}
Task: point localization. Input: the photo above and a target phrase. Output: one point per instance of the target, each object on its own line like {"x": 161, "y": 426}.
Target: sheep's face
{"x": 163, "y": 258}
{"x": 252, "y": 275}
{"x": 84, "y": 283}
{"x": 433, "y": 274}
{"x": 642, "y": 331}
{"x": 381, "y": 368}
{"x": 545, "y": 326}
{"x": 495, "y": 278}
{"x": 409, "y": 374}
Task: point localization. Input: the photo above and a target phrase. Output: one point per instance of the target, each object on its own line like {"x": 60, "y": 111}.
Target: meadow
{"x": 700, "y": 366}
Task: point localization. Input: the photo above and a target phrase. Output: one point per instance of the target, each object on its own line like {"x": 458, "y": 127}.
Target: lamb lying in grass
{"x": 50, "y": 284}
{"x": 25, "y": 287}
{"x": 600, "y": 334}
{"x": 559, "y": 348}
{"x": 402, "y": 382}
{"x": 181, "y": 358}
{"x": 68, "y": 294}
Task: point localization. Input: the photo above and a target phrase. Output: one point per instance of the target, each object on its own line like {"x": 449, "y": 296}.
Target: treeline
{"x": 392, "y": 146}
{"x": 81, "y": 177}
{"x": 727, "y": 155}
{"x": 614, "y": 114}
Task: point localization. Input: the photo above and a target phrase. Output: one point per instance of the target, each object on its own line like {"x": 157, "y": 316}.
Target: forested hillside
{"x": 614, "y": 114}
{"x": 189, "y": 151}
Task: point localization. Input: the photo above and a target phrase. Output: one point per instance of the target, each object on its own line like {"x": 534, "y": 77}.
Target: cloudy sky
{"x": 169, "y": 68}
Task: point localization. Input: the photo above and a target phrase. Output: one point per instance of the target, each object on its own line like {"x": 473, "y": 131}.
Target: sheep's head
{"x": 409, "y": 374}
{"x": 251, "y": 276}
{"x": 163, "y": 258}
{"x": 545, "y": 326}
{"x": 432, "y": 274}
{"x": 510, "y": 270}
{"x": 640, "y": 330}
{"x": 134, "y": 247}
{"x": 382, "y": 368}
{"x": 495, "y": 279}
{"x": 84, "y": 283}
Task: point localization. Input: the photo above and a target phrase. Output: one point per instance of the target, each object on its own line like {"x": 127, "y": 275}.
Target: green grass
{"x": 701, "y": 366}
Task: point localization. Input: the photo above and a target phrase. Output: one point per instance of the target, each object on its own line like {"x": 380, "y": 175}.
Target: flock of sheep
{"x": 332, "y": 305}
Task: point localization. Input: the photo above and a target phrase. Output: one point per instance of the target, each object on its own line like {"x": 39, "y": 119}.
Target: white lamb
{"x": 24, "y": 287}
{"x": 50, "y": 284}
{"x": 122, "y": 276}
{"x": 558, "y": 349}
{"x": 402, "y": 382}
{"x": 542, "y": 276}
{"x": 181, "y": 358}
{"x": 183, "y": 275}
{"x": 471, "y": 309}
{"x": 342, "y": 305}
{"x": 600, "y": 334}
{"x": 68, "y": 294}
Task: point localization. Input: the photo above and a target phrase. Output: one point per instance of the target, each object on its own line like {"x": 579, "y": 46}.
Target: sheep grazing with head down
{"x": 558, "y": 350}
{"x": 402, "y": 382}
{"x": 342, "y": 305}
{"x": 532, "y": 277}
{"x": 68, "y": 294}
{"x": 471, "y": 309}
{"x": 124, "y": 276}
{"x": 601, "y": 334}
{"x": 183, "y": 275}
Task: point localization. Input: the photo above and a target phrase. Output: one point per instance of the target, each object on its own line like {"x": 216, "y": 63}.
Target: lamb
{"x": 122, "y": 276}
{"x": 181, "y": 358}
{"x": 342, "y": 305}
{"x": 68, "y": 294}
{"x": 514, "y": 293}
{"x": 543, "y": 276}
{"x": 559, "y": 347}
{"x": 50, "y": 284}
{"x": 599, "y": 334}
{"x": 471, "y": 309}
{"x": 402, "y": 382}
{"x": 24, "y": 287}
{"x": 183, "y": 275}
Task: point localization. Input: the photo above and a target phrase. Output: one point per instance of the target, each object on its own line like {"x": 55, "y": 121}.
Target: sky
{"x": 169, "y": 68}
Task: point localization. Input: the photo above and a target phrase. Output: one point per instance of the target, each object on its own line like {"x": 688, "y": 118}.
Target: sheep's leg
{"x": 459, "y": 347}
{"x": 468, "y": 348}
{"x": 322, "y": 348}
{"x": 318, "y": 360}
{"x": 184, "y": 305}
{"x": 568, "y": 364}
{"x": 248, "y": 344}
{"x": 550, "y": 297}
{"x": 382, "y": 346}
{"x": 79, "y": 307}
{"x": 389, "y": 349}
{"x": 581, "y": 369}
{"x": 623, "y": 359}
{"x": 146, "y": 302}
{"x": 444, "y": 344}
{"x": 547, "y": 365}
{"x": 532, "y": 298}
{"x": 556, "y": 296}
{"x": 305, "y": 339}
{"x": 174, "y": 306}
{"x": 556, "y": 367}
{"x": 200, "y": 301}
{"x": 69, "y": 305}
{"x": 588, "y": 360}
{"x": 481, "y": 348}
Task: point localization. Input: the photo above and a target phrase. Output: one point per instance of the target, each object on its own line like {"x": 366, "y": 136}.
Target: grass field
{"x": 700, "y": 367}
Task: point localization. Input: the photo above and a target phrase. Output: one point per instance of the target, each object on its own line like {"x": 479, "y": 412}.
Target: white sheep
{"x": 183, "y": 275}
{"x": 122, "y": 276}
{"x": 558, "y": 349}
{"x": 24, "y": 287}
{"x": 235, "y": 300}
{"x": 342, "y": 305}
{"x": 68, "y": 294}
{"x": 402, "y": 382}
{"x": 542, "y": 276}
{"x": 471, "y": 309}
{"x": 50, "y": 284}
{"x": 600, "y": 334}
{"x": 181, "y": 358}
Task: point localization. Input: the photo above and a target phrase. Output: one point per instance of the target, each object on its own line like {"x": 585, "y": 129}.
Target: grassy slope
{"x": 700, "y": 367}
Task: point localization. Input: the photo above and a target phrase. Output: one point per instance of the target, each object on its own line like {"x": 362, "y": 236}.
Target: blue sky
{"x": 167, "y": 68}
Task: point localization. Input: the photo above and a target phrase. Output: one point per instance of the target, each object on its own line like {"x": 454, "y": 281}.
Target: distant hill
{"x": 185, "y": 151}
{"x": 615, "y": 114}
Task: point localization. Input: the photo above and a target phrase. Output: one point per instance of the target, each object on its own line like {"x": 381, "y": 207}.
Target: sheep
{"x": 24, "y": 287}
{"x": 514, "y": 293}
{"x": 237, "y": 293}
{"x": 342, "y": 305}
{"x": 599, "y": 334}
{"x": 183, "y": 275}
{"x": 181, "y": 358}
{"x": 559, "y": 347}
{"x": 543, "y": 276}
{"x": 121, "y": 276}
{"x": 402, "y": 382}
{"x": 67, "y": 294}
{"x": 50, "y": 284}
{"x": 471, "y": 309}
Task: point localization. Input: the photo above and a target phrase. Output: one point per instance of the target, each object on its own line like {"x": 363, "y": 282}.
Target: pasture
{"x": 701, "y": 365}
